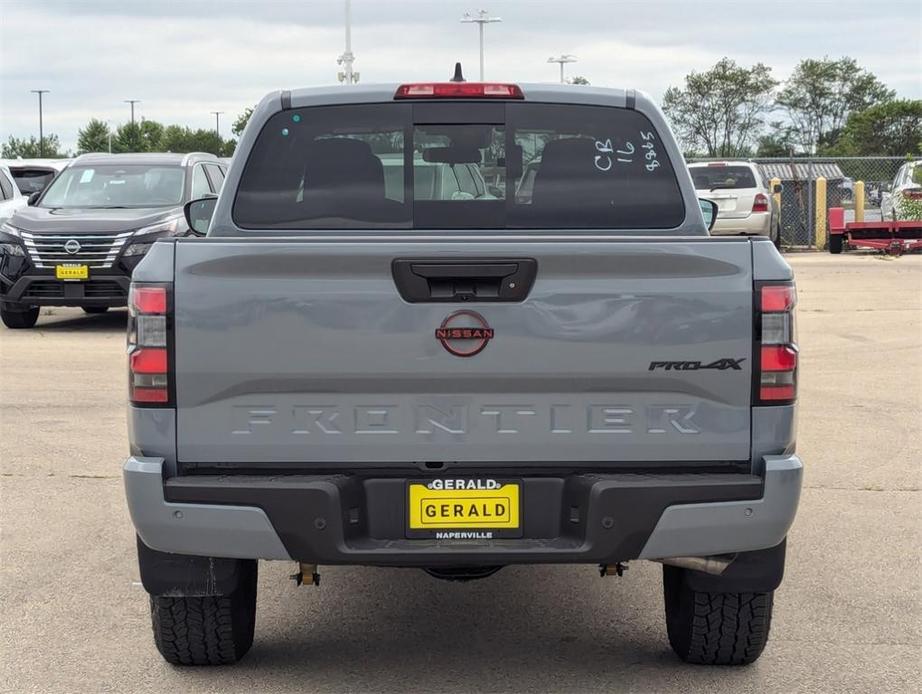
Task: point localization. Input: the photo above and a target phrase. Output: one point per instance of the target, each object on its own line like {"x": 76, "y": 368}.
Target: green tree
{"x": 93, "y": 137}
{"x": 892, "y": 129}
{"x": 241, "y": 121}
{"x": 177, "y": 138}
{"x": 778, "y": 142}
{"x": 29, "y": 149}
{"x": 820, "y": 94}
{"x": 128, "y": 138}
{"x": 151, "y": 135}
{"x": 577, "y": 79}
{"x": 720, "y": 111}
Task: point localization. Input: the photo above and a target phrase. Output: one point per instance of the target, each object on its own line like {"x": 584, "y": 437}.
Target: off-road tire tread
{"x": 208, "y": 630}
{"x": 718, "y": 628}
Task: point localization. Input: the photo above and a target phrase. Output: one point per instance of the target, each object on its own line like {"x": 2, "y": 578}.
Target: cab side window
{"x": 200, "y": 187}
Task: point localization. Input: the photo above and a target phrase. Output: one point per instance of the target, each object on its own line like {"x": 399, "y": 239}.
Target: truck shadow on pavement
{"x": 550, "y": 628}
{"x": 114, "y": 320}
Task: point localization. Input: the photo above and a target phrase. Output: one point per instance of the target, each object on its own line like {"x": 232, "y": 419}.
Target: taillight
{"x": 760, "y": 203}
{"x": 776, "y": 344}
{"x": 149, "y": 344}
{"x": 913, "y": 193}
{"x": 459, "y": 90}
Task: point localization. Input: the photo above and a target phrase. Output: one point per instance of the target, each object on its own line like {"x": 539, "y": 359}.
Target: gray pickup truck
{"x": 348, "y": 372}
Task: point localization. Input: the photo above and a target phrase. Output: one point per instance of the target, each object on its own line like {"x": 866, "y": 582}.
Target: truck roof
{"x": 150, "y": 158}
{"x": 541, "y": 92}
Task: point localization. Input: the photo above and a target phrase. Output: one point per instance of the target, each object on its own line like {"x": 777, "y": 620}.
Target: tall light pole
{"x": 41, "y": 126}
{"x": 132, "y": 102}
{"x": 482, "y": 17}
{"x": 347, "y": 76}
{"x": 563, "y": 59}
{"x": 217, "y": 122}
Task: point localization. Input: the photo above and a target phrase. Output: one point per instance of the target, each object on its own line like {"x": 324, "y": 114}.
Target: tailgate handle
{"x": 421, "y": 280}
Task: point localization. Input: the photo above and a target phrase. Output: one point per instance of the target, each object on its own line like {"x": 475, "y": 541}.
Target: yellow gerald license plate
{"x": 72, "y": 272}
{"x": 483, "y": 504}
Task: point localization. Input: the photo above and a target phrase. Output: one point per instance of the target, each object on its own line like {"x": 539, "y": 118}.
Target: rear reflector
{"x": 760, "y": 203}
{"x": 459, "y": 90}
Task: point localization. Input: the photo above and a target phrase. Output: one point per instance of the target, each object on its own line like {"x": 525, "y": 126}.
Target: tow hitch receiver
{"x": 307, "y": 575}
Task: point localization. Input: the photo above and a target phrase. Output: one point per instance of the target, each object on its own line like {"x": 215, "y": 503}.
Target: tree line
{"x": 140, "y": 136}
{"x": 827, "y": 107}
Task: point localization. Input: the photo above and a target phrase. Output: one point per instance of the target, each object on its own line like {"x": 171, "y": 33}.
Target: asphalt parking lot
{"x": 847, "y": 618}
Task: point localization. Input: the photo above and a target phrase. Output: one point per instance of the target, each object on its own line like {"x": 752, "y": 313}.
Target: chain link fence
{"x": 798, "y": 199}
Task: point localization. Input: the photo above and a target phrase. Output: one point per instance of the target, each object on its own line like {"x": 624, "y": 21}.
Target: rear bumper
{"x": 757, "y": 223}
{"x": 579, "y": 518}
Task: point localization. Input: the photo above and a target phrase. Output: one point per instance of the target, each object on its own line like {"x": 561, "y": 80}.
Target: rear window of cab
{"x": 458, "y": 165}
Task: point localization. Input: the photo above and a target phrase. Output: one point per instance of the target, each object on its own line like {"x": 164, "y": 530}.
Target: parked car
{"x": 34, "y": 175}
{"x": 80, "y": 240}
{"x": 10, "y": 197}
{"x": 905, "y": 194}
{"x": 745, "y": 205}
{"x": 346, "y": 374}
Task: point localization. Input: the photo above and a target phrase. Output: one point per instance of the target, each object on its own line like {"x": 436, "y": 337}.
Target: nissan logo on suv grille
{"x": 72, "y": 246}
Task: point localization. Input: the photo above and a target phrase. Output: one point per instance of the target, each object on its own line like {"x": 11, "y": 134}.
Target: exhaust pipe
{"x": 715, "y": 565}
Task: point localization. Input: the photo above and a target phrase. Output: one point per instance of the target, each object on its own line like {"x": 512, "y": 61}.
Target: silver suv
{"x": 743, "y": 197}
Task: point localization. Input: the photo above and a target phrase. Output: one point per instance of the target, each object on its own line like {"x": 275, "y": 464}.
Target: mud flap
{"x": 181, "y": 575}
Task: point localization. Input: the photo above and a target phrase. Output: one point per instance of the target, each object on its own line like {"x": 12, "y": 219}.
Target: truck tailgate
{"x": 303, "y": 351}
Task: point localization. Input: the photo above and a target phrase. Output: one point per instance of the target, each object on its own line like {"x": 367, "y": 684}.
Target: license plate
{"x": 468, "y": 504}
{"x": 72, "y": 272}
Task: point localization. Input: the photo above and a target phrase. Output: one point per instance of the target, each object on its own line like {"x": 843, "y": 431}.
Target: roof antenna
{"x": 458, "y": 76}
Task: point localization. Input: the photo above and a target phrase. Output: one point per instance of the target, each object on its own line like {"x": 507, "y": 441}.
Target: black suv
{"x": 78, "y": 243}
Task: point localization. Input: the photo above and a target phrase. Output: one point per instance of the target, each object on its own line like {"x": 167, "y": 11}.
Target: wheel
{"x": 835, "y": 243}
{"x": 93, "y": 310}
{"x": 715, "y": 628}
{"x": 19, "y": 317}
{"x": 208, "y": 630}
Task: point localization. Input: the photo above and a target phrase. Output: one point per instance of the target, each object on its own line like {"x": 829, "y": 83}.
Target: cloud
{"x": 184, "y": 60}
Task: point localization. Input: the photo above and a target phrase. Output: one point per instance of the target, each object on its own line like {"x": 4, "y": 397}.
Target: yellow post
{"x": 776, "y": 182}
{"x": 820, "y": 202}
{"x": 859, "y": 201}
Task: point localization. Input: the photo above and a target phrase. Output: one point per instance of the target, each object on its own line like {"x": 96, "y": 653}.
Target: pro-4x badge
{"x": 718, "y": 365}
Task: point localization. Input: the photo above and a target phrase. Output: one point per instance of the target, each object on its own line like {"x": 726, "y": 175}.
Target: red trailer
{"x": 890, "y": 236}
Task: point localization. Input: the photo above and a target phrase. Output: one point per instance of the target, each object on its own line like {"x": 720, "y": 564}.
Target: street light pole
{"x": 41, "y": 126}
{"x": 482, "y": 17}
{"x": 217, "y": 122}
{"x": 565, "y": 58}
{"x": 348, "y": 76}
{"x": 132, "y": 102}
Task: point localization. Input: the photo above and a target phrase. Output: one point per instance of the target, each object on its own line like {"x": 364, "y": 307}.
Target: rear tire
{"x": 715, "y": 628}
{"x": 207, "y": 630}
{"x": 18, "y": 319}
{"x": 93, "y": 310}
{"x": 835, "y": 243}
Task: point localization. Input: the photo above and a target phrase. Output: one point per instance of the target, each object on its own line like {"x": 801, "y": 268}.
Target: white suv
{"x": 744, "y": 202}
{"x": 905, "y": 187}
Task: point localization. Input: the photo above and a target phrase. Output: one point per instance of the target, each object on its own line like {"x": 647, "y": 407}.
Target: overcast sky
{"x": 185, "y": 59}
